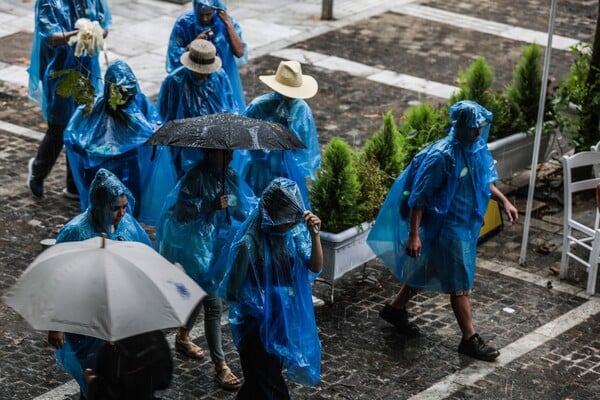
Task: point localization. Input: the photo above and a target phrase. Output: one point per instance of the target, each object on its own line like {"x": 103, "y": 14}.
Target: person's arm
{"x": 237, "y": 46}
{"x": 61, "y": 38}
{"x": 511, "y": 211}
{"x": 413, "y": 245}
{"x": 314, "y": 228}
{"x": 56, "y": 339}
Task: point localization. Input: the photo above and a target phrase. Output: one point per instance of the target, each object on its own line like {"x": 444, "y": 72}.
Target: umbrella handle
{"x": 228, "y": 218}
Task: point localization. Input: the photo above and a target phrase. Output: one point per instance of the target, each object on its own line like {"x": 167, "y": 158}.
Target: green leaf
{"x": 73, "y": 83}
{"x": 115, "y": 96}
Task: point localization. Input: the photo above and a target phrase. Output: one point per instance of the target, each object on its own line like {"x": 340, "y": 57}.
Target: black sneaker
{"x": 475, "y": 347}
{"x": 35, "y": 185}
{"x": 399, "y": 318}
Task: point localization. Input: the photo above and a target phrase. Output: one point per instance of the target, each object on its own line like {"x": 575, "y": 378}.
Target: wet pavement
{"x": 547, "y": 329}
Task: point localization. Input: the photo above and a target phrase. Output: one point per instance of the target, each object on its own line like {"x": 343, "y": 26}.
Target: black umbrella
{"x": 226, "y": 131}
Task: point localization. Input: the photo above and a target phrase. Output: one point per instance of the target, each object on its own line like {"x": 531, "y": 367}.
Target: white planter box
{"x": 344, "y": 251}
{"x": 513, "y": 153}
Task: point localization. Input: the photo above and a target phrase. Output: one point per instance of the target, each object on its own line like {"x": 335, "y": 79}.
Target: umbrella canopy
{"x": 110, "y": 292}
{"x": 226, "y": 131}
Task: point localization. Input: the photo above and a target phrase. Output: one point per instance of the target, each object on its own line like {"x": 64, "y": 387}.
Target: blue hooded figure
{"x": 112, "y": 136}
{"x": 209, "y": 20}
{"x": 450, "y": 181}
{"x": 286, "y": 105}
{"x": 199, "y": 87}
{"x": 50, "y": 53}
{"x": 109, "y": 213}
{"x": 272, "y": 262}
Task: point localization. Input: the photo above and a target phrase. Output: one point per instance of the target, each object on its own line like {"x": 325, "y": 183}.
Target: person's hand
{"x": 56, "y": 339}
{"x": 511, "y": 212}
{"x": 89, "y": 375}
{"x": 223, "y": 15}
{"x": 413, "y": 245}
{"x": 313, "y": 222}
{"x": 204, "y": 35}
{"x": 221, "y": 202}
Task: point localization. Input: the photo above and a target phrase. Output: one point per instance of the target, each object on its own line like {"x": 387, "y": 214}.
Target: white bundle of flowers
{"x": 89, "y": 38}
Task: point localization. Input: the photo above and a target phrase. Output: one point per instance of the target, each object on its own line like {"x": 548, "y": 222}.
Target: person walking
{"x": 50, "y": 53}
{"x": 287, "y": 106}
{"x": 199, "y": 87}
{"x": 109, "y": 213}
{"x": 200, "y": 217}
{"x": 112, "y": 136}
{"x": 275, "y": 256}
{"x": 210, "y": 21}
{"x": 427, "y": 229}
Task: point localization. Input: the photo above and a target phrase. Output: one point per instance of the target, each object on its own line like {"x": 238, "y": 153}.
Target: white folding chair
{"x": 580, "y": 237}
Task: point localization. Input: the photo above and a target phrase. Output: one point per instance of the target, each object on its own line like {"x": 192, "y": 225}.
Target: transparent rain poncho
{"x": 192, "y": 233}
{"x": 79, "y": 352}
{"x": 450, "y": 181}
{"x": 259, "y": 167}
{"x": 114, "y": 139}
{"x": 268, "y": 283}
{"x": 183, "y": 96}
{"x": 58, "y": 16}
{"x": 187, "y": 28}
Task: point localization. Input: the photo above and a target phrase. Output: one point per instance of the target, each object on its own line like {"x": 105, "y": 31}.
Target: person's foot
{"x": 70, "y": 195}
{"x": 475, "y": 347}
{"x": 399, "y": 318}
{"x": 185, "y": 346}
{"x": 34, "y": 184}
{"x": 226, "y": 379}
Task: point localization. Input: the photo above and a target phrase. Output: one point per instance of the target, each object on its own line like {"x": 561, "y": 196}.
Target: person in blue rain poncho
{"x": 427, "y": 229}
{"x": 209, "y": 20}
{"x": 274, "y": 257}
{"x": 112, "y": 136}
{"x": 109, "y": 213}
{"x": 54, "y": 26}
{"x": 286, "y": 105}
{"x": 199, "y": 220}
{"x": 199, "y": 87}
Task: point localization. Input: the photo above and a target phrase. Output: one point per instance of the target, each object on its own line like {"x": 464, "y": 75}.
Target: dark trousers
{"x": 47, "y": 153}
{"x": 262, "y": 372}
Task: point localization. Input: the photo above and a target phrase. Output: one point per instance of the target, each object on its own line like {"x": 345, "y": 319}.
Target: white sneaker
{"x": 317, "y": 302}
{"x": 69, "y": 195}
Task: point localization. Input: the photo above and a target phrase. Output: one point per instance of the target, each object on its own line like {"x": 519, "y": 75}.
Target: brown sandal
{"x": 188, "y": 348}
{"x": 226, "y": 379}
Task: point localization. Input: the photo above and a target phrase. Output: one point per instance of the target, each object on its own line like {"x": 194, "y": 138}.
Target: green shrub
{"x": 387, "y": 148}
{"x": 374, "y": 185}
{"x": 335, "y": 193}
{"x": 422, "y": 125}
{"x": 524, "y": 91}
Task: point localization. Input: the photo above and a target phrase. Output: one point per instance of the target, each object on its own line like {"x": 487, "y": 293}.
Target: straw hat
{"x": 290, "y": 82}
{"x": 201, "y": 57}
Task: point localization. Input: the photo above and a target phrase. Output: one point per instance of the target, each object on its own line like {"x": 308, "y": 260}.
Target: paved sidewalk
{"x": 376, "y": 55}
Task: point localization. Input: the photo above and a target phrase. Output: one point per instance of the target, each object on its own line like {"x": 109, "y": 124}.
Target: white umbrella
{"x": 103, "y": 288}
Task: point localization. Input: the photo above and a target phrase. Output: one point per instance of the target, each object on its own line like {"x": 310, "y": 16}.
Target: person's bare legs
{"x": 403, "y": 296}
{"x": 461, "y": 305}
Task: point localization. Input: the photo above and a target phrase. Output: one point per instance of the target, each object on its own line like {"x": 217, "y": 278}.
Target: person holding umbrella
{"x": 109, "y": 213}
{"x": 199, "y": 87}
{"x": 273, "y": 259}
{"x": 209, "y": 21}
{"x": 285, "y": 105}
{"x": 199, "y": 219}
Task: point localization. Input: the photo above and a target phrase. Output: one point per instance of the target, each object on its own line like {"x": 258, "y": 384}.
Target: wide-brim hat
{"x": 201, "y": 57}
{"x": 290, "y": 82}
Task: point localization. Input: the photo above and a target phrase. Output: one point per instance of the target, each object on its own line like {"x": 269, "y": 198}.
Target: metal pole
{"x": 538, "y": 134}
{"x": 327, "y": 10}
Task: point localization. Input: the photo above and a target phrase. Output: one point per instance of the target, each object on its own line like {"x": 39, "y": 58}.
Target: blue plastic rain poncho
{"x": 191, "y": 232}
{"x": 450, "y": 181}
{"x": 258, "y": 167}
{"x": 268, "y": 283}
{"x": 79, "y": 352}
{"x": 187, "y": 28}
{"x": 183, "y": 96}
{"x": 113, "y": 138}
{"x": 53, "y": 17}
